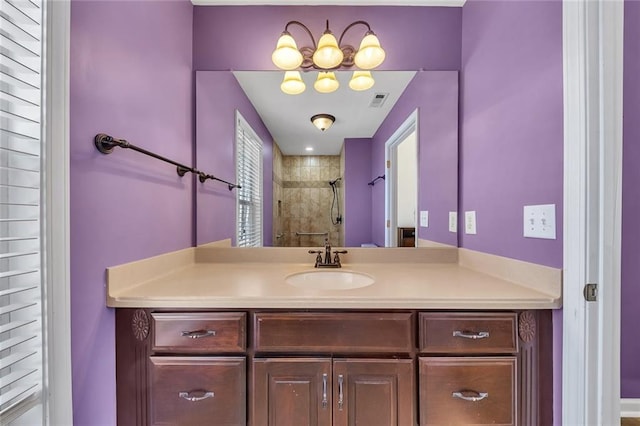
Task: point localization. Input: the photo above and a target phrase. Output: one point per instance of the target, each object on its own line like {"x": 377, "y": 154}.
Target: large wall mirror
{"x": 319, "y": 184}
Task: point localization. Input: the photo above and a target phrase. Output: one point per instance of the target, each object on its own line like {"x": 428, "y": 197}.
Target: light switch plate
{"x": 453, "y": 221}
{"x": 539, "y": 221}
{"x": 424, "y": 219}
{"x": 470, "y": 222}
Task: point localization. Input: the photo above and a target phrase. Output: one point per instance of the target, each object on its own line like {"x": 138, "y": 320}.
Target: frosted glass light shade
{"x": 370, "y": 54}
{"x": 361, "y": 80}
{"x": 328, "y": 55}
{"x": 286, "y": 56}
{"x": 292, "y": 83}
{"x": 323, "y": 121}
{"x": 326, "y": 82}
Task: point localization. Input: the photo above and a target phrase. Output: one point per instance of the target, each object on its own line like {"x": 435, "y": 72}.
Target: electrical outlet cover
{"x": 453, "y": 221}
{"x": 424, "y": 219}
{"x": 470, "y": 222}
{"x": 539, "y": 221}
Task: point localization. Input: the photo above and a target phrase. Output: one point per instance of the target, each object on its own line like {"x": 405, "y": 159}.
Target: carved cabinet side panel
{"x": 536, "y": 369}
{"x": 132, "y": 353}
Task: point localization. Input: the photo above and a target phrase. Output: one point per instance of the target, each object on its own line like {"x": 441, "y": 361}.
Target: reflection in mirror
{"x": 316, "y": 183}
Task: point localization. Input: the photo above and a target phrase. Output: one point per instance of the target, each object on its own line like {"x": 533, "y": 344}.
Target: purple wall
{"x": 242, "y": 38}
{"x": 511, "y": 134}
{"x": 135, "y": 81}
{"x": 511, "y": 140}
{"x": 357, "y": 194}
{"x": 131, "y": 78}
{"x": 630, "y": 344}
{"x": 435, "y": 94}
{"x": 218, "y": 95}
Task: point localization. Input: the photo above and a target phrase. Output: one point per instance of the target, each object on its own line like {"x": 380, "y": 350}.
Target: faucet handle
{"x": 336, "y": 257}
{"x": 318, "y": 254}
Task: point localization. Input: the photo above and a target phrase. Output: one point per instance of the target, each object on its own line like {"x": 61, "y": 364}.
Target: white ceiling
{"x": 288, "y": 117}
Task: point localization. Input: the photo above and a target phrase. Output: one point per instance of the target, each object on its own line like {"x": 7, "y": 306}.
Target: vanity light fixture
{"x": 326, "y": 82}
{"x": 292, "y": 83}
{"x": 361, "y": 80}
{"x": 323, "y": 121}
{"x": 309, "y": 149}
{"x": 329, "y": 54}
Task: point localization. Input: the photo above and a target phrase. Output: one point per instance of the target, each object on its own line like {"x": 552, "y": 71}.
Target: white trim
{"x": 592, "y": 55}
{"x": 445, "y": 3}
{"x": 630, "y": 407}
{"x": 58, "y": 401}
{"x": 610, "y": 232}
{"x": 409, "y": 125}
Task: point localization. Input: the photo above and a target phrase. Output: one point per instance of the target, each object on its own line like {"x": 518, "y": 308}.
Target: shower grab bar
{"x": 373, "y": 182}
{"x": 105, "y": 144}
{"x": 298, "y": 234}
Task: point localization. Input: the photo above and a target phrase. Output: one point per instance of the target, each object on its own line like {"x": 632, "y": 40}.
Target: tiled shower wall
{"x": 303, "y": 198}
{"x": 278, "y": 198}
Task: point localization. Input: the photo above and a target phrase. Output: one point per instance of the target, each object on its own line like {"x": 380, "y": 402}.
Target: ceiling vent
{"x": 378, "y": 100}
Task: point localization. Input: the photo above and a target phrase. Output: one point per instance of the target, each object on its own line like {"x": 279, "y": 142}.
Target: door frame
{"x": 593, "y": 39}
{"x": 408, "y": 126}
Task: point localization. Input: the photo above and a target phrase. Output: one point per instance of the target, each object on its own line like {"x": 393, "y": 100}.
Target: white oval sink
{"x": 329, "y": 280}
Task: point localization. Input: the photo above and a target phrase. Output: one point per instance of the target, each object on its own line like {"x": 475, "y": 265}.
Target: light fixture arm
{"x": 353, "y": 24}
{"x": 304, "y": 27}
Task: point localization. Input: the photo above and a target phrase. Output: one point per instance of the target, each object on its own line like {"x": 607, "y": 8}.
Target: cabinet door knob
{"x": 340, "y": 392}
{"x": 198, "y": 334}
{"x": 479, "y": 396}
{"x": 189, "y": 397}
{"x": 471, "y": 335}
{"x": 324, "y": 391}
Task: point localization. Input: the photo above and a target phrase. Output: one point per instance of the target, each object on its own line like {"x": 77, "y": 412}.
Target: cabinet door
{"x": 198, "y": 391}
{"x": 468, "y": 390}
{"x": 291, "y": 392}
{"x": 374, "y": 392}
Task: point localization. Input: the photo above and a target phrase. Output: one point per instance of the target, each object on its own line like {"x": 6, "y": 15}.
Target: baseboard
{"x": 630, "y": 407}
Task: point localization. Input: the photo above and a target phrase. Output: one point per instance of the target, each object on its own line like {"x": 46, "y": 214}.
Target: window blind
{"x": 249, "y": 176}
{"x": 21, "y": 341}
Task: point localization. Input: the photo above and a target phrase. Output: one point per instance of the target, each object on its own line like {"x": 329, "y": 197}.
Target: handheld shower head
{"x": 333, "y": 182}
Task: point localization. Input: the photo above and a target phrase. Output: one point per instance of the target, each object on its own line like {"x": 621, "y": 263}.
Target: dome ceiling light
{"x": 328, "y": 54}
{"x": 323, "y": 121}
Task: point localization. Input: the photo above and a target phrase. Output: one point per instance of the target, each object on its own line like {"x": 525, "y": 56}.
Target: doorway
{"x": 401, "y": 185}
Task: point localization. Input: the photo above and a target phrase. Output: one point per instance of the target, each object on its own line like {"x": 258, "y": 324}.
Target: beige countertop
{"x": 217, "y": 277}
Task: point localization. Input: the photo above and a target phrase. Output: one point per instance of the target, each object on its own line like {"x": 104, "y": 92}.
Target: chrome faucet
{"x": 327, "y": 262}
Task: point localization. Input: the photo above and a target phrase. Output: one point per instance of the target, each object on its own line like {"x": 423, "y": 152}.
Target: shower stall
{"x": 308, "y": 200}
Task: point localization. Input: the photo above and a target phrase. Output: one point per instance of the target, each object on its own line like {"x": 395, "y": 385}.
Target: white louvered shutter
{"x": 249, "y": 176}
{"x": 21, "y": 341}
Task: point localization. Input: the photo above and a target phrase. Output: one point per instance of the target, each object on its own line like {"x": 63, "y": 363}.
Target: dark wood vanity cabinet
{"x": 344, "y": 387}
{"x": 343, "y": 368}
{"x": 325, "y": 392}
{"x": 291, "y": 391}
{"x": 194, "y": 390}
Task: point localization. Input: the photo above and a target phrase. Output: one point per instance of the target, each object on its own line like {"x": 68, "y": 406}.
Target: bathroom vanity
{"x": 213, "y": 339}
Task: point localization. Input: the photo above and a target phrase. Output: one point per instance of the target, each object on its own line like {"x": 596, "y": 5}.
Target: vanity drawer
{"x": 468, "y": 332}
{"x": 468, "y": 390}
{"x": 199, "y": 332}
{"x": 339, "y": 332}
{"x": 197, "y": 390}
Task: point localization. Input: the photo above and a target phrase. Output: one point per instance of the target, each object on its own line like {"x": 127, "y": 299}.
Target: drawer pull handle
{"x": 189, "y": 397}
{"x": 324, "y": 391}
{"x": 340, "y": 392}
{"x": 479, "y": 396}
{"x": 471, "y": 335}
{"x": 198, "y": 334}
